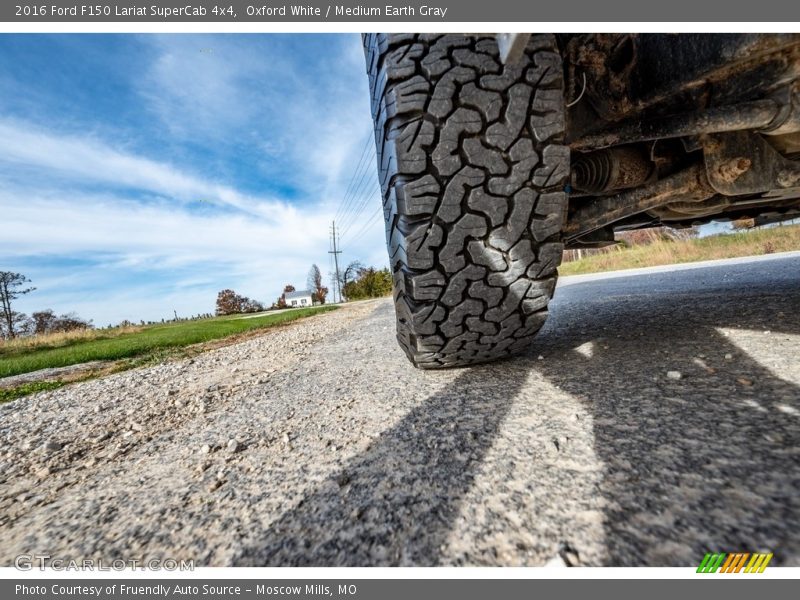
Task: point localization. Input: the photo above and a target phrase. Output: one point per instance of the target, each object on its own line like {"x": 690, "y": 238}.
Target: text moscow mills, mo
{"x": 189, "y": 11}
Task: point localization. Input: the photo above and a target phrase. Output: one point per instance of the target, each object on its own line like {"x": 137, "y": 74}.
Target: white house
{"x": 299, "y": 298}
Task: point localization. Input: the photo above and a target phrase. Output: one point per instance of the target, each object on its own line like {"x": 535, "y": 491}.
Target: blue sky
{"x": 141, "y": 174}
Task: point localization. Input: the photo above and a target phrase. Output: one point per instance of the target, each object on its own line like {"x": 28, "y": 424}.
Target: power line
{"x": 336, "y": 254}
{"x": 355, "y": 182}
{"x": 357, "y": 231}
{"x": 365, "y": 228}
{"x": 364, "y": 206}
{"x": 360, "y": 190}
{"x": 367, "y": 194}
{"x": 341, "y": 209}
{"x": 351, "y": 203}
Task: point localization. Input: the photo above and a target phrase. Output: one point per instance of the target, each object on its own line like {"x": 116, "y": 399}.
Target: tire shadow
{"x": 395, "y": 503}
{"x": 707, "y": 462}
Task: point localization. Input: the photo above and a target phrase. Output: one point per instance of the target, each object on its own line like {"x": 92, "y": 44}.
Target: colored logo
{"x": 734, "y": 562}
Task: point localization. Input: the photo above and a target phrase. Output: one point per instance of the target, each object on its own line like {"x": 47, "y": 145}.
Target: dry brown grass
{"x": 61, "y": 339}
{"x": 667, "y": 252}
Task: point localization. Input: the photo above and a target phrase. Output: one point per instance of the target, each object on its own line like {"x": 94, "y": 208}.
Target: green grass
{"x": 152, "y": 340}
{"x": 729, "y": 245}
{"x": 6, "y": 395}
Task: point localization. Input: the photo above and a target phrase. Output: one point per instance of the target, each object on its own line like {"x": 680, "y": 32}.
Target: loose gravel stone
{"x": 52, "y": 446}
{"x": 498, "y": 464}
{"x": 674, "y": 375}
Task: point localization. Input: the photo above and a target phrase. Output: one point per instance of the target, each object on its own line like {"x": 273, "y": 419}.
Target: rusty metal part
{"x": 742, "y": 162}
{"x": 656, "y": 74}
{"x": 786, "y": 144}
{"x": 775, "y": 217}
{"x": 610, "y": 169}
{"x": 678, "y": 211}
{"x": 758, "y": 114}
{"x": 788, "y": 121}
{"x": 607, "y": 60}
{"x": 720, "y": 207}
{"x": 689, "y": 185}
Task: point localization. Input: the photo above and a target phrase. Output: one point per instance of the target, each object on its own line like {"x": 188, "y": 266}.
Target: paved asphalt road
{"x": 657, "y": 417}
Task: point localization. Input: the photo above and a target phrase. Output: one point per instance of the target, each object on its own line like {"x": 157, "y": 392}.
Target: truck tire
{"x": 472, "y": 169}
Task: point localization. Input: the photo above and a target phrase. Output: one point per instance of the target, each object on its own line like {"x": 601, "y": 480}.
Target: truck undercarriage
{"x": 679, "y": 130}
{"x": 495, "y": 153}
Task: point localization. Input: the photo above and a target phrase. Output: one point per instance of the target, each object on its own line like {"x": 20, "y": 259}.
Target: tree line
{"x": 359, "y": 282}
{"x": 231, "y": 303}
{"x": 15, "y": 324}
{"x": 356, "y": 282}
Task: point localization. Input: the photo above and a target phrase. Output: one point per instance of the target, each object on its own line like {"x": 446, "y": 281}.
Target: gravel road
{"x": 657, "y": 417}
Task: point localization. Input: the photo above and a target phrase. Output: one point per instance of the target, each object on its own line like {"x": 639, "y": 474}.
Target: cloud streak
{"x": 234, "y": 185}
{"x": 90, "y": 161}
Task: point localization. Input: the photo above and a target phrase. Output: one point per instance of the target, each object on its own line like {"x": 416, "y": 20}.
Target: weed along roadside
{"x": 666, "y": 252}
{"x": 129, "y": 349}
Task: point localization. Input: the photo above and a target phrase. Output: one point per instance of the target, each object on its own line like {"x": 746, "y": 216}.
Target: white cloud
{"x": 176, "y": 252}
{"x": 90, "y": 160}
{"x": 148, "y": 236}
{"x": 44, "y": 223}
{"x": 307, "y": 113}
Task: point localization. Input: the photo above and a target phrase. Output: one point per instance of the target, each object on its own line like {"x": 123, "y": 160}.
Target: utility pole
{"x": 336, "y": 252}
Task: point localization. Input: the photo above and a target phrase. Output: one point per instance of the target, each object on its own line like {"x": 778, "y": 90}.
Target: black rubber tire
{"x": 472, "y": 169}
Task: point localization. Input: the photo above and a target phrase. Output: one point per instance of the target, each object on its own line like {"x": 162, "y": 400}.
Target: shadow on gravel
{"x": 708, "y": 462}
{"x": 395, "y": 504}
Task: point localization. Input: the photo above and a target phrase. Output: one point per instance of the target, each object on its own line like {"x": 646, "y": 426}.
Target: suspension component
{"x": 757, "y": 114}
{"x": 611, "y": 169}
{"x": 689, "y": 185}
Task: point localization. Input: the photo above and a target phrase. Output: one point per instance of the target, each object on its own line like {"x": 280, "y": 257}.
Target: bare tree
{"x": 71, "y": 322}
{"x": 318, "y": 290}
{"x": 350, "y": 274}
{"x": 43, "y": 321}
{"x": 10, "y": 284}
{"x": 21, "y": 324}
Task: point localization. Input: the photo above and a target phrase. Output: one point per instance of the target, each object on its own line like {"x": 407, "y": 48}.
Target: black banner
{"x": 437, "y": 11}
{"x": 732, "y": 587}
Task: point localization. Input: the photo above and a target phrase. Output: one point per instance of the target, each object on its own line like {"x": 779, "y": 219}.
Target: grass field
{"x": 729, "y": 245}
{"x": 100, "y": 345}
